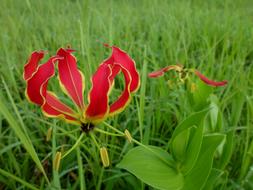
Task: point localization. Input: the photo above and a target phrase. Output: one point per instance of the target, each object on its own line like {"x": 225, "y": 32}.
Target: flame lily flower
{"x": 185, "y": 72}
{"x": 71, "y": 81}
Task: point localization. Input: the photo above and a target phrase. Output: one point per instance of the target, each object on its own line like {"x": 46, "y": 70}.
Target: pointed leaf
{"x": 213, "y": 176}
{"x": 198, "y": 176}
{"x": 179, "y": 140}
{"x": 151, "y": 169}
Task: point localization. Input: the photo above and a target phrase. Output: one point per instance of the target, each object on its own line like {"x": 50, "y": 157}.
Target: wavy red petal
{"x": 70, "y": 77}
{"x": 53, "y": 107}
{"x": 115, "y": 71}
{"x": 55, "y": 103}
{"x": 98, "y": 96}
{"x": 124, "y": 60}
{"x": 121, "y": 61}
{"x": 37, "y": 84}
{"x": 37, "y": 93}
{"x": 208, "y": 81}
{"x": 124, "y": 98}
{"x": 49, "y": 111}
{"x": 156, "y": 74}
{"x": 32, "y": 64}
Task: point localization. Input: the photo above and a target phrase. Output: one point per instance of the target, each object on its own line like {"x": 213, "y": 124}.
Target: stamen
{"x": 57, "y": 161}
{"x": 87, "y": 127}
{"x": 104, "y": 157}
{"x": 128, "y": 136}
{"x": 49, "y": 134}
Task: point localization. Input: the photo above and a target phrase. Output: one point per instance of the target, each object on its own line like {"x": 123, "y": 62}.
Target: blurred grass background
{"x": 214, "y": 36}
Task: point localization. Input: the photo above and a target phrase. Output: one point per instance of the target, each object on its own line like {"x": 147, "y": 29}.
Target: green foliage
{"x": 199, "y": 96}
{"x": 198, "y": 175}
{"x": 151, "y": 169}
{"x": 194, "y": 162}
{"x": 25, "y": 140}
{"x": 188, "y": 155}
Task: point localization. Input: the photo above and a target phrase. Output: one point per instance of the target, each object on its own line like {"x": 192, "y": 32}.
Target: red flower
{"x": 72, "y": 83}
{"x": 180, "y": 69}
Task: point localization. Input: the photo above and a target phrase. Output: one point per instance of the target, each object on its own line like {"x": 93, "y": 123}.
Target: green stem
{"x": 94, "y": 139}
{"x": 56, "y": 179}
{"x": 107, "y": 133}
{"x": 114, "y": 129}
{"x": 80, "y": 169}
{"x": 74, "y": 146}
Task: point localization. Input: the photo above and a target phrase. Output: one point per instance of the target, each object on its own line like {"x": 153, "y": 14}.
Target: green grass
{"x": 214, "y": 36}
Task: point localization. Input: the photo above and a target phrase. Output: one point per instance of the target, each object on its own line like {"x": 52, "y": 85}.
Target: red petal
{"x": 71, "y": 78}
{"x": 37, "y": 93}
{"x": 39, "y": 79}
{"x": 120, "y": 104}
{"x": 55, "y": 103}
{"x": 161, "y": 72}
{"x": 121, "y": 61}
{"x": 32, "y": 64}
{"x": 98, "y": 95}
{"x": 53, "y": 107}
{"x": 208, "y": 81}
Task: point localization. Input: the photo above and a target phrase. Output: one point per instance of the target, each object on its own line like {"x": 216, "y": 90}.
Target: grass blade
{"x": 23, "y": 138}
{"x": 9, "y": 175}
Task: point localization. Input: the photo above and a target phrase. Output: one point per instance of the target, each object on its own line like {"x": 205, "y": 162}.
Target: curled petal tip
{"x": 210, "y": 82}
{"x": 70, "y": 50}
{"x": 121, "y": 60}
{"x": 107, "y": 45}
{"x": 32, "y": 64}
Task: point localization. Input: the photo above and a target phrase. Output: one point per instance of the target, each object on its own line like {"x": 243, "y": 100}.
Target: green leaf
{"x": 180, "y": 148}
{"x": 199, "y": 97}
{"x": 214, "y": 122}
{"x": 147, "y": 165}
{"x": 198, "y": 176}
{"x": 194, "y": 119}
{"x": 214, "y": 175}
{"x": 227, "y": 150}
{"x": 180, "y": 144}
{"x": 193, "y": 148}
